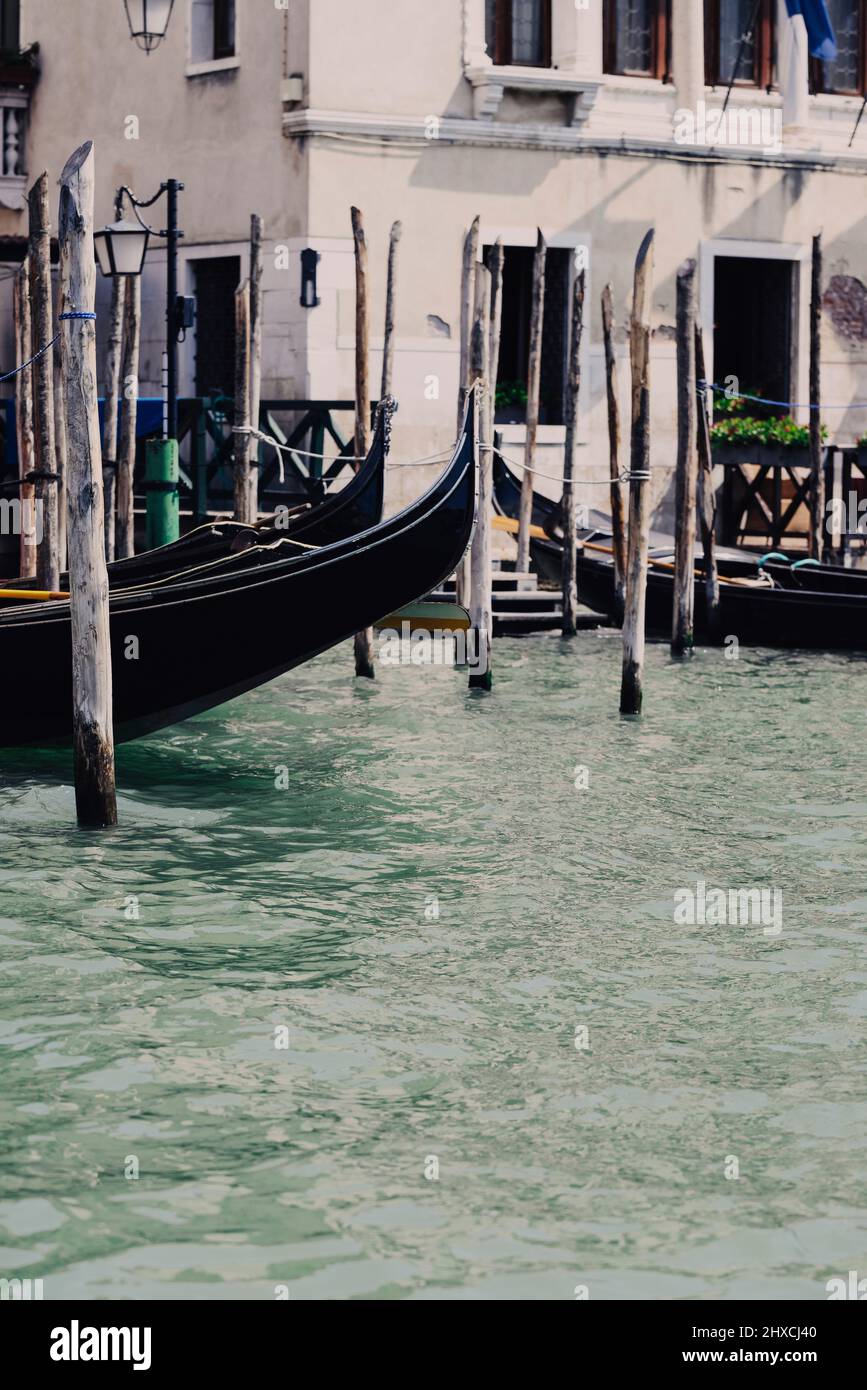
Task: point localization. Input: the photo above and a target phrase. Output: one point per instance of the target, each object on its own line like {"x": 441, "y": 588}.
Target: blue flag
{"x": 820, "y": 30}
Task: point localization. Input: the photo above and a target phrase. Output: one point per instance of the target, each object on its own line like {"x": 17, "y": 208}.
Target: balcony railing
{"x": 19, "y": 72}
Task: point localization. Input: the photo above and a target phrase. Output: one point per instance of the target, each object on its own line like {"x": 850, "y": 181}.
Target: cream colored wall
{"x": 220, "y": 134}
{"x": 607, "y": 204}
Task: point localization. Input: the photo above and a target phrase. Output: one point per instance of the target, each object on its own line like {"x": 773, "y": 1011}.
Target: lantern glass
{"x": 148, "y": 21}
{"x": 121, "y": 248}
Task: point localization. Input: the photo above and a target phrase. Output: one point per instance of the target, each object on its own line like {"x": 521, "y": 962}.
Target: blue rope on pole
{"x": 71, "y": 314}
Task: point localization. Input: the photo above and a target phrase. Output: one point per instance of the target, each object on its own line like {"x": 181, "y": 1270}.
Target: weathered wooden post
{"x": 481, "y": 602}
{"x": 128, "y": 419}
{"x": 639, "y": 485}
{"x": 390, "y": 301}
{"x": 573, "y": 389}
{"x": 243, "y": 438}
{"x": 256, "y": 328}
{"x": 534, "y": 383}
{"x": 93, "y": 739}
{"x": 683, "y": 609}
{"x": 363, "y": 640}
{"x": 618, "y": 519}
{"x": 24, "y": 424}
{"x": 706, "y": 495}
{"x": 496, "y": 262}
{"x": 468, "y": 298}
{"x": 39, "y": 255}
{"x": 112, "y": 394}
{"x": 60, "y": 451}
{"x": 817, "y": 540}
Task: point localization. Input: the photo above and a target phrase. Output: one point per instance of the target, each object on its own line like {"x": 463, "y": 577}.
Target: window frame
{"x": 502, "y": 54}
{"x": 817, "y": 67}
{"x": 661, "y": 30}
{"x": 764, "y": 78}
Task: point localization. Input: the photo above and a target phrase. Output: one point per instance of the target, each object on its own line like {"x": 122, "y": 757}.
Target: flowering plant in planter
{"x": 759, "y": 427}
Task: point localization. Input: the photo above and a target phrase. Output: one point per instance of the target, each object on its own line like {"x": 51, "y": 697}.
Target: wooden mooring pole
{"x": 496, "y": 262}
{"x": 817, "y": 517}
{"x": 639, "y": 485}
{"x": 618, "y": 519}
{"x": 256, "y": 327}
{"x": 128, "y": 418}
{"x": 686, "y": 477}
{"x": 113, "y": 365}
{"x": 390, "y": 304}
{"x": 706, "y": 494}
{"x": 243, "y": 439}
{"x": 469, "y": 266}
{"x": 93, "y": 739}
{"x": 363, "y": 640}
{"x": 60, "y": 452}
{"x": 573, "y": 389}
{"x": 24, "y": 424}
{"x": 41, "y": 318}
{"x": 481, "y": 601}
{"x": 534, "y": 383}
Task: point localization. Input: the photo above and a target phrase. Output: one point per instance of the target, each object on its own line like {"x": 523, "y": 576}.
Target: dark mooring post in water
{"x": 243, "y": 438}
{"x": 113, "y": 367}
{"x": 706, "y": 494}
{"x": 93, "y": 737}
{"x": 618, "y": 518}
{"x": 24, "y": 424}
{"x": 41, "y": 318}
{"x": 639, "y": 484}
{"x": 496, "y": 262}
{"x": 817, "y": 511}
{"x": 364, "y": 639}
{"x": 481, "y": 602}
{"x": 683, "y": 610}
{"x": 534, "y": 383}
{"x": 60, "y": 447}
{"x": 256, "y": 328}
{"x": 468, "y": 301}
{"x": 128, "y": 418}
{"x": 573, "y": 389}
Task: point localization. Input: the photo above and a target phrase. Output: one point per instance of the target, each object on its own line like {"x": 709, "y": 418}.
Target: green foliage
{"x": 510, "y": 393}
{"x": 733, "y": 425}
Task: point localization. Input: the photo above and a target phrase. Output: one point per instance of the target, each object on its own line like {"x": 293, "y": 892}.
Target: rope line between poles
{"x": 71, "y": 314}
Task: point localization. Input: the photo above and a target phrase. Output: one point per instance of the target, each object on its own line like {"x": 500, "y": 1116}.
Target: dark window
{"x": 739, "y": 42}
{"x": 753, "y": 308}
{"x": 224, "y": 28}
{"x": 638, "y": 38}
{"x": 515, "y": 336}
{"x": 9, "y": 25}
{"x": 848, "y": 73}
{"x": 519, "y": 31}
{"x": 216, "y": 282}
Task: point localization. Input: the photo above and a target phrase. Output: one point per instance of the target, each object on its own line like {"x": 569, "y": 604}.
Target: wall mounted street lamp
{"x": 121, "y": 248}
{"x": 309, "y": 261}
{"x": 148, "y": 21}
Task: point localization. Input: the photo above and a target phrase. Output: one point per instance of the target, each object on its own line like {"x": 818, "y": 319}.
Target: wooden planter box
{"x": 763, "y": 455}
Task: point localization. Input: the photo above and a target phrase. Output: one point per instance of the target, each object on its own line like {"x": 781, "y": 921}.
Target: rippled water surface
{"x": 245, "y": 992}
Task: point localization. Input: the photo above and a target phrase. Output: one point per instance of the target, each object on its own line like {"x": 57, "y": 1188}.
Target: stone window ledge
{"x": 490, "y": 83}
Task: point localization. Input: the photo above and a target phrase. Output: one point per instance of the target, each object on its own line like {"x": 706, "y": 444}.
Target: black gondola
{"x": 357, "y": 507}
{"x": 207, "y": 639}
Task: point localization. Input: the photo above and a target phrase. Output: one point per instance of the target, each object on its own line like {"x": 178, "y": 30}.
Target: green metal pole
{"x": 161, "y": 486}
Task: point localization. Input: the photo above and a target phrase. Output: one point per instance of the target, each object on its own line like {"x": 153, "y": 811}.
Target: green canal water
{"x": 329, "y": 1014}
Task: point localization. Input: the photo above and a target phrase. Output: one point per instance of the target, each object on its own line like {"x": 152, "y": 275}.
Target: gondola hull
{"x": 188, "y": 646}
{"x": 758, "y": 615}
{"x": 354, "y": 509}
